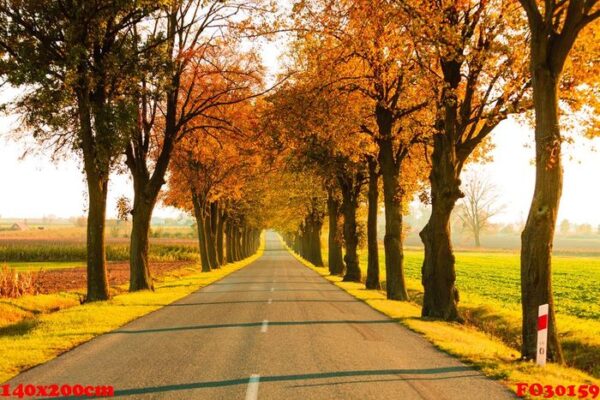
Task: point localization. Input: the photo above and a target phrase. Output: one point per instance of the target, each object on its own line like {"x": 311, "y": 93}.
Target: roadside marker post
{"x": 542, "y": 335}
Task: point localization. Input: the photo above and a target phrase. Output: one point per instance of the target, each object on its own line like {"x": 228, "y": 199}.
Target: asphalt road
{"x": 273, "y": 330}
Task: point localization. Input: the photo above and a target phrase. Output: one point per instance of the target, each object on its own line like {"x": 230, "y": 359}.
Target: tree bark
{"x": 538, "y": 234}
{"x": 97, "y": 170}
{"x": 334, "y": 258}
{"x": 200, "y": 214}
{"x": 97, "y": 282}
{"x": 210, "y": 223}
{"x": 393, "y": 242}
{"x": 139, "y": 270}
{"x": 372, "y": 245}
{"x": 316, "y": 224}
{"x": 220, "y": 237}
{"x": 244, "y": 241}
{"x": 477, "y": 240}
{"x": 237, "y": 251}
{"x": 349, "y": 206}
{"x": 229, "y": 242}
{"x": 440, "y": 299}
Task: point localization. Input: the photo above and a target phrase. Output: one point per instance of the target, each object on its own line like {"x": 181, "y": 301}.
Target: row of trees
{"x": 410, "y": 92}
{"x": 125, "y": 83}
{"x": 391, "y": 97}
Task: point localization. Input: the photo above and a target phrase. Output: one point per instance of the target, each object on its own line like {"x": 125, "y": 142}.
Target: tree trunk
{"x": 220, "y": 235}
{"x": 146, "y": 188}
{"x": 199, "y": 213}
{"x": 139, "y": 270}
{"x": 440, "y": 299}
{"x": 349, "y": 206}
{"x": 229, "y": 247}
{"x": 211, "y": 235}
{"x": 237, "y": 251}
{"x": 297, "y": 242}
{"x": 97, "y": 168}
{"x": 477, "y": 240}
{"x": 538, "y": 234}
{"x": 392, "y": 197}
{"x": 244, "y": 241}
{"x": 334, "y": 258}
{"x": 372, "y": 246}
{"x": 315, "y": 239}
{"x": 97, "y": 282}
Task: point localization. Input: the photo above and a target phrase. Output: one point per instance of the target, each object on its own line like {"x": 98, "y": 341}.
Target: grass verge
{"x": 481, "y": 350}
{"x": 490, "y": 298}
{"x": 60, "y": 323}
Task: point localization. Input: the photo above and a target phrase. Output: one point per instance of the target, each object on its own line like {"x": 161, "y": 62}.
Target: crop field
{"x": 496, "y": 277}
{"x": 57, "y": 248}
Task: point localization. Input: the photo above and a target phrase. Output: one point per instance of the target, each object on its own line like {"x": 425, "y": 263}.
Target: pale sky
{"x": 35, "y": 187}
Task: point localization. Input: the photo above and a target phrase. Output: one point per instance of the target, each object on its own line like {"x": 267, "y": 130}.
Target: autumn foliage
{"x": 377, "y": 103}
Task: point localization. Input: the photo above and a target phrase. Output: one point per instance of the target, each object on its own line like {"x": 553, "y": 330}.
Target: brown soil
{"x": 118, "y": 273}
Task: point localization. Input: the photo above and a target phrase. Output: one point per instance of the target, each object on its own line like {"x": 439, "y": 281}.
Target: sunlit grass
{"x": 57, "y": 251}
{"x": 44, "y": 266}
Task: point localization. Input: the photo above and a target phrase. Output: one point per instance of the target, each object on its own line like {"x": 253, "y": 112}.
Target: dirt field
{"x": 118, "y": 273}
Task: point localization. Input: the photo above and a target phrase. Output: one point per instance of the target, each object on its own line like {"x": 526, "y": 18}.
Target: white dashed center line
{"x": 252, "y": 391}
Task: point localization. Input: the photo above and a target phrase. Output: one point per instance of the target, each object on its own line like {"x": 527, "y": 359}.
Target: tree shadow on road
{"x": 403, "y": 375}
{"x": 250, "y": 324}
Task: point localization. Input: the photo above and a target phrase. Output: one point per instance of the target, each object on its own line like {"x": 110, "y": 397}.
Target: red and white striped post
{"x": 542, "y": 334}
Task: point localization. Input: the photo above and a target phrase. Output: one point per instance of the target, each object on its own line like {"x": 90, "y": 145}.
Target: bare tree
{"x": 479, "y": 205}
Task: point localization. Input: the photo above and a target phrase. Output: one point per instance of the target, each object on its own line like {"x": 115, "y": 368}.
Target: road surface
{"x": 273, "y": 330}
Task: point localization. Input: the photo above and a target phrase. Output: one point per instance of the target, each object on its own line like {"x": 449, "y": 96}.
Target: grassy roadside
{"x": 489, "y": 285}
{"x": 63, "y": 324}
{"x": 472, "y": 346}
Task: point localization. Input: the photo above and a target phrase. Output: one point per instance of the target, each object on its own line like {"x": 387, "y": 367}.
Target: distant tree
{"x": 123, "y": 208}
{"x": 584, "y": 229}
{"x": 80, "y": 222}
{"x": 478, "y": 206}
{"x": 508, "y": 229}
{"x": 565, "y": 227}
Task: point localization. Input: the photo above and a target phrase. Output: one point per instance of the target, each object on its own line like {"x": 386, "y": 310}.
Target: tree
{"x": 584, "y": 229}
{"x": 373, "y": 281}
{"x": 74, "y": 63}
{"x": 211, "y": 168}
{"x": 565, "y": 227}
{"x": 367, "y": 38}
{"x": 335, "y": 260}
{"x": 479, "y": 205}
{"x": 296, "y": 202}
{"x": 320, "y": 125}
{"x": 193, "y": 70}
{"x": 466, "y": 49}
{"x": 554, "y": 30}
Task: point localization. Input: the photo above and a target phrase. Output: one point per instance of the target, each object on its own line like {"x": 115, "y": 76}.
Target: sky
{"x": 35, "y": 186}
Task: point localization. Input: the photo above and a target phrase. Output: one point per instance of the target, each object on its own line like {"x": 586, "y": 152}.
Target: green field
{"x": 44, "y": 266}
{"x": 57, "y": 251}
{"x": 496, "y": 278}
